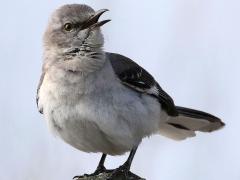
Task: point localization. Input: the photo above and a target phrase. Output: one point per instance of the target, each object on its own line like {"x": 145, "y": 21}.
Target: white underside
{"x": 97, "y": 113}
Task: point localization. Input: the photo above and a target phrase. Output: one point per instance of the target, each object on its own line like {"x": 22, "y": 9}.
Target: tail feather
{"x": 174, "y": 132}
{"x": 200, "y": 121}
{"x": 187, "y": 122}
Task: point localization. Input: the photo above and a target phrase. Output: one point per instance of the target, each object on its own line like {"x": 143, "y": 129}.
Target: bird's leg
{"x": 128, "y": 163}
{"x": 100, "y": 168}
{"x": 124, "y": 170}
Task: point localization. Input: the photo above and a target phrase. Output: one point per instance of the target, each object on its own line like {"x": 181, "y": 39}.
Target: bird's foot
{"x": 123, "y": 173}
{"x": 99, "y": 170}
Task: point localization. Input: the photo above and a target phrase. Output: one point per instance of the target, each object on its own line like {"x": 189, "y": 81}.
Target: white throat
{"x": 82, "y": 60}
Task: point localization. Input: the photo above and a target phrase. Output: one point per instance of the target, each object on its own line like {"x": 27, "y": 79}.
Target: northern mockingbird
{"x": 104, "y": 102}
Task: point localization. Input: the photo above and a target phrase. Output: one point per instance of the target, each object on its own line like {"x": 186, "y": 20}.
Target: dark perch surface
{"x": 106, "y": 175}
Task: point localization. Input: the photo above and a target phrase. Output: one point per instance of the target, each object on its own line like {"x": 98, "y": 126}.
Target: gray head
{"x": 73, "y": 34}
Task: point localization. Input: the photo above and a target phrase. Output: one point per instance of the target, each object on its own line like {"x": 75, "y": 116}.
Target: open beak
{"x": 93, "y": 21}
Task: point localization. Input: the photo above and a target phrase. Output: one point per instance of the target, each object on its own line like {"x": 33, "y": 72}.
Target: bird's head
{"x": 73, "y": 32}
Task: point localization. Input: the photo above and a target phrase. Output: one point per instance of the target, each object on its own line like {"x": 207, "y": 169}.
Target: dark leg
{"x": 128, "y": 163}
{"x": 124, "y": 170}
{"x": 100, "y": 168}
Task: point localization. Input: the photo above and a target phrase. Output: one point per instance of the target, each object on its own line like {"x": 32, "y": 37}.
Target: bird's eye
{"x": 68, "y": 27}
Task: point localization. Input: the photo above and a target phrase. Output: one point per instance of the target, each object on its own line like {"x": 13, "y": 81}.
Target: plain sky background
{"x": 192, "y": 47}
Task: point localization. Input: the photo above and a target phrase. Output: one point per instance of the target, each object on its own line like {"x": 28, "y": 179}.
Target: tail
{"x": 187, "y": 122}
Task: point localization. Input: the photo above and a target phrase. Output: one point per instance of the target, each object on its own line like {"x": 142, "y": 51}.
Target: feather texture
{"x": 137, "y": 78}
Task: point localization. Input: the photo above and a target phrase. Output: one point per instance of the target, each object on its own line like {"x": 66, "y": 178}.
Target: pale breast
{"x": 97, "y": 116}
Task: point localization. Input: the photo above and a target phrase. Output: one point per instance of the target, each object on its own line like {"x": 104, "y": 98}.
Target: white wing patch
{"x": 153, "y": 90}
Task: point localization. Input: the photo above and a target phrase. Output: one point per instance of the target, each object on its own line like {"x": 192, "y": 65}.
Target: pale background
{"x": 192, "y": 47}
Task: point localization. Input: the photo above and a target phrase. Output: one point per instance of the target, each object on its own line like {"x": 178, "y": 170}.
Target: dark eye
{"x": 68, "y": 27}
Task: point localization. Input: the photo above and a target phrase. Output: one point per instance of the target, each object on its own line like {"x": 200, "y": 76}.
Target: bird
{"x": 103, "y": 102}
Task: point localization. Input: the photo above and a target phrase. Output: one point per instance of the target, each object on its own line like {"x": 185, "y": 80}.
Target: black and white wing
{"x": 137, "y": 78}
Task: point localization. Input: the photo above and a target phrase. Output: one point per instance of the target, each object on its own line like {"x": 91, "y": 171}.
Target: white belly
{"x": 109, "y": 120}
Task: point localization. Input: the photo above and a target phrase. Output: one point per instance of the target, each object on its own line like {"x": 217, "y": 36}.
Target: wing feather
{"x": 137, "y": 78}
